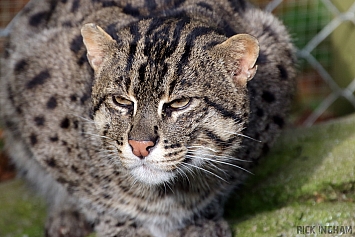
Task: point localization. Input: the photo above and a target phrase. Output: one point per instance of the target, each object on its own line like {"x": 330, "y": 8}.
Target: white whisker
{"x": 97, "y": 135}
{"x": 242, "y": 135}
{"x": 203, "y": 147}
{"x": 207, "y": 171}
{"x": 222, "y": 157}
{"x": 223, "y": 162}
{"x": 168, "y": 184}
{"x": 182, "y": 173}
{"x": 87, "y": 120}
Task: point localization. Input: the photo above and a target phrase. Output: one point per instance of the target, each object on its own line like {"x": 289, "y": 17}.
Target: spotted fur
{"x": 81, "y": 78}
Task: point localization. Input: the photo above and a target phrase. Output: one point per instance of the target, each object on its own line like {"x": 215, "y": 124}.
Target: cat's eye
{"x": 120, "y": 101}
{"x": 179, "y": 103}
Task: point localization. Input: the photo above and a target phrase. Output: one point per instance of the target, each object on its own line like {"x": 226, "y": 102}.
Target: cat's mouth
{"x": 149, "y": 174}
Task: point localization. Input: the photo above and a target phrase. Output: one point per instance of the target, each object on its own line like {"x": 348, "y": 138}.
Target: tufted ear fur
{"x": 97, "y": 43}
{"x": 240, "y": 53}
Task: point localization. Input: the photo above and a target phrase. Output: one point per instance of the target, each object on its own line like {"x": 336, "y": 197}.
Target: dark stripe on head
{"x": 223, "y": 111}
{"x": 127, "y": 83}
{"x": 171, "y": 86}
{"x": 134, "y": 30}
{"x": 219, "y": 141}
{"x": 124, "y": 81}
{"x": 177, "y": 34}
{"x": 112, "y": 31}
{"x": 227, "y": 29}
{"x": 152, "y": 38}
{"x": 161, "y": 43}
{"x": 141, "y": 72}
{"x": 190, "y": 42}
{"x": 98, "y": 105}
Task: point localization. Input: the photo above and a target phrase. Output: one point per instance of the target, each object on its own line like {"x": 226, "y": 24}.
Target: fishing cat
{"x": 137, "y": 118}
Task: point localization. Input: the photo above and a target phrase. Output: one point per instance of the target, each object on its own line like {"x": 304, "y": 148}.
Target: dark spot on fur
{"x": 262, "y": 59}
{"x": 10, "y": 125}
{"x": 38, "y": 18}
{"x": 18, "y": 110}
{"x": 51, "y": 162}
{"x": 106, "y": 196}
{"x": 75, "y": 6}
{"x": 133, "y": 11}
{"x": 279, "y": 121}
{"x": 259, "y": 112}
{"x": 208, "y": 85}
{"x": 82, "y": 59}
{"x": 54, "y": 138}
{"x": 65, "y": 123}
{"x": 7, "y": 49}
{"x": 76, "y": 44}
{"x": 67, "y": 24}
{"x": 283, "y": 72}
{"x": 33, "y": 139}
{"x": 20, "y": 66}
{"x": 76, "y": 124}
{"x": 84, "y": 98}
{"x": 40, "y": 79}
{"x": 52, "y": 103}
{"x": 269, "y": 30}
{"x": 268, "y": 97}
{"x": 39, "y": 120}
{"x": 73, "y": 97}
{"x": 120, "y": 223}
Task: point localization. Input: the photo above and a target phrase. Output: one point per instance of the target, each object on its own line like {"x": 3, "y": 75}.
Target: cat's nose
{"x": 141, "y": 148}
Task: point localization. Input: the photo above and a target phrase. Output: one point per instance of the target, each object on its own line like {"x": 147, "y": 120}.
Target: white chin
{"x": 151, "y": 176}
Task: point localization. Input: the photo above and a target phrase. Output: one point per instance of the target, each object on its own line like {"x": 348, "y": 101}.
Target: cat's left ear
{"x": 97, "y": 43}
{"x": 240, "y": 53}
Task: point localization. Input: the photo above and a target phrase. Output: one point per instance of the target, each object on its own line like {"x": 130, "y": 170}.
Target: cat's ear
{"x": 97, "y": 43}
{"x": 240, "y": 53}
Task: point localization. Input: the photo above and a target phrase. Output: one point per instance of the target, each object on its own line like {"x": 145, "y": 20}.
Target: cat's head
{"x": 169, "y": 99}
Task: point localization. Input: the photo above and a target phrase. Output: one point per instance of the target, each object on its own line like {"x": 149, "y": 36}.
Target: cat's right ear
{"x": 97, "y": 43}
{"x": 239, "y": 53}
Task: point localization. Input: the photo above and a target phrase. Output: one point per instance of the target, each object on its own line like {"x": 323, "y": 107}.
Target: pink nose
{"x": 140, "y": 148}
